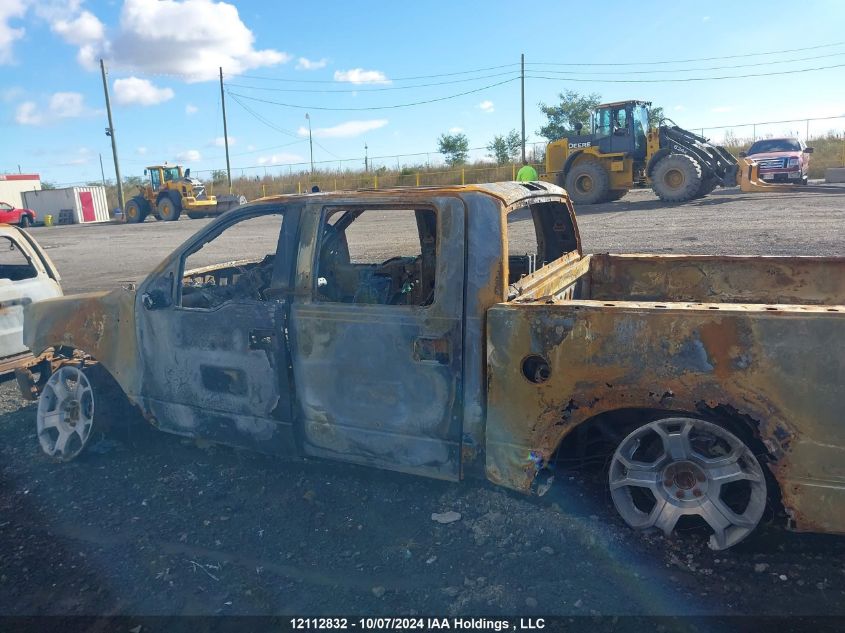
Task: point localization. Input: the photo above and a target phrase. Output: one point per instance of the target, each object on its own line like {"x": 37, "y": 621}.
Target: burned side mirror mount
{"x": 155, "y": 299}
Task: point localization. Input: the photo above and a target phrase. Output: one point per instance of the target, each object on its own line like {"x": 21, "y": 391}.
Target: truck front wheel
{"x": 676, "y": 178}
{"x": 688, "y": 470}
{"x": 587, "y": 182}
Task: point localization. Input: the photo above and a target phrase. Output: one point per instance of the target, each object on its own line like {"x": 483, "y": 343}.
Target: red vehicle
{"x": 10, "y": 214}
{"x": 781, "y": 159}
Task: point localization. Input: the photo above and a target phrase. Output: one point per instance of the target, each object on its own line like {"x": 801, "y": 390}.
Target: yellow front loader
{"x": 624, "y": 151}
{"x": 168, "y": 192}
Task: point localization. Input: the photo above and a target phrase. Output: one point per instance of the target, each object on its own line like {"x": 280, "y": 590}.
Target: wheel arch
{"x": 614, "y": 424}
{"x": 656, "y": 158}
{"x": 570, "y": 161}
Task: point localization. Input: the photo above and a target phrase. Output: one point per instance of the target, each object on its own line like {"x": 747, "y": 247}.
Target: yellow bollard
{"x": 263, "y": 190}
{"x": 513, "y": 172}
{"x": 418, "y": 179}
{"x": 463, "y": 177}
{"x": 48, "y": 220}
{"x": 298, "y": 187}
{"x": 375, "y": 181}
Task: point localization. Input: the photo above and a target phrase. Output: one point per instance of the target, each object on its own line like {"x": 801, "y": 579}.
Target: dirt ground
{"x": 154, "y": 524}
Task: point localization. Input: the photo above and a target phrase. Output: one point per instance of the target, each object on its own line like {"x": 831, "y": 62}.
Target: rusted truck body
{"x": 476, "y": 341}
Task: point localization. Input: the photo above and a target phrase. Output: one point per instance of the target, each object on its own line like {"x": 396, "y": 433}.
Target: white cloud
{"x": 280, "y": 159}
{"x": 135, "y": 91}
{"x": 9, "y": 10}
{"x": 188, "y": 156}
{"x": 221, "y": 142}
{"x": 62, "y": 105}
{"x": 706, "y": 18}
{"x": 191, "y": 109}
{"x": 190, "y": 38}
{"x": 486, "y": 106}
{"x": 344, "y": 130}
{"x": 85, "y": 31}
{"x": 67, "y": 105}
{"x": 141, "y": 151}
{"x": 679, "y": 108}
{"x": 361, "y": 76}
{"x": 722, "y": 109}
{"x": 455, "y": 130}
{"x": 28, "y": 114}
{"x": 303, "y": 63}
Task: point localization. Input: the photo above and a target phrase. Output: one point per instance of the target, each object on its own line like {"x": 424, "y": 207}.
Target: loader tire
{"x": 196, "y": 215}
{"x": 707, "y": 186}
{"x": 587, "y": 183}
{"x": 677, "y": 178}
{"x": 169, "y": 208}
{"x": 136, "y": 210}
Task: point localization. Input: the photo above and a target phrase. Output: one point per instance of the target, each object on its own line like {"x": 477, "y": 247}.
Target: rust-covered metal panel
{"x": 101, "y": 324}
{"x": 718, "y": 279}
{"x": 781, "y": 367}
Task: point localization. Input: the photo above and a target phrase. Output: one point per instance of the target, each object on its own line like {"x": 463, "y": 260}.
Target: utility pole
{"x": 310, "y": 142}
{"x": 366, "y": 165}
{"x": 225, "y": 133}
{"x": 102, "y": 171}
{"x": 522, "y": 84}
{"x": 110, "y": 132}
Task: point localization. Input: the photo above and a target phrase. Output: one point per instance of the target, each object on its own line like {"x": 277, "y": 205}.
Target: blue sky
{"x": 166, "y": 98}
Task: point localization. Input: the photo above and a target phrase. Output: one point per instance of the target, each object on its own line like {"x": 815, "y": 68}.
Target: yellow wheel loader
{"x": 169, "y": 191}
{"x": 624, "y": 151}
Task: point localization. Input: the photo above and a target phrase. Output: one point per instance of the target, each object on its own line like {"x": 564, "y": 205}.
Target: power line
{"x": 333, "y": 81}
{"x": 348, "y": 90}
{"x": 685, "y": 70}
{"x": 684, "y": 79}
{"x": 698, "y": 59}
{"x": 387, "y": 107}
{"x": 259, "y": 117}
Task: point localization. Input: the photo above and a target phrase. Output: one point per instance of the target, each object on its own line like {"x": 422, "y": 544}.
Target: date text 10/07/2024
{"x": 416, "y": 624}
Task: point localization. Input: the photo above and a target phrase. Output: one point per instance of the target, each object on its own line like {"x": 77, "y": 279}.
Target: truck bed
{"x": 757, "y": 338}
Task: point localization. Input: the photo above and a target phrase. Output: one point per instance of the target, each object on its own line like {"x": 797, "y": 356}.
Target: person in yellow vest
{"x": 526, "y": 173}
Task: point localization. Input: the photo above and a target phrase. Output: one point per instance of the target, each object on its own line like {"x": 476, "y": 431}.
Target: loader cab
{"x": 161, "y": 174}
{"x": 621, "y": 127}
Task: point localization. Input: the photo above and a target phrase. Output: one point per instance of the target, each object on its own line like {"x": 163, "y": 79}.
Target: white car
{"x": 26, "y": 275}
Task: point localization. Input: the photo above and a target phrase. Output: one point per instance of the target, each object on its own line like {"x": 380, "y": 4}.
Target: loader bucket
{"x": 750, "y": 181}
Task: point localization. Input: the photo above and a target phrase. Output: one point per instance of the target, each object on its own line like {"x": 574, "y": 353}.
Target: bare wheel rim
{"x": 674, "y": 178}
{"x": 584, "y": 184}
{"x": 677, "y": 467}
{"x": 65, "y": 413}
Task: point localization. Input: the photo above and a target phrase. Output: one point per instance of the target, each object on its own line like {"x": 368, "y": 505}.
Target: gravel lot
{"x": 159, "y": 525}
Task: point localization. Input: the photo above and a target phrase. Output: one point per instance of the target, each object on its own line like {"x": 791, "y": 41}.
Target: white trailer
{"x": 12, "y": 187}
{"x": 71, "y": 205}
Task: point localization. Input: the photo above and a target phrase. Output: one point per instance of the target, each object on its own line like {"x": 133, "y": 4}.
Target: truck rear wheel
{"x": 169, "y": 209}
{"x": 587, "y": 182}
{"x": 136, "y": 210}
{"x": 689, "y": 470}
{"x": 676, "y": 178}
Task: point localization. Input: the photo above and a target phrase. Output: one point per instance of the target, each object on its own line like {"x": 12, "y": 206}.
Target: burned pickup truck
{"x": 461, "y": 331}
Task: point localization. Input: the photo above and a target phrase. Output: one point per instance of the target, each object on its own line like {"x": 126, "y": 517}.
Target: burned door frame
{"x": 221, "y": 373}
{"x": 382, "y": 384}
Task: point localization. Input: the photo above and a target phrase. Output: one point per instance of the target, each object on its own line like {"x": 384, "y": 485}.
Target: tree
{"x": 505, "y": 148}
{"x": 218, "y": 175}
{"x": 654, "y": 116}
{"x": 454, "y": 147}
{"x": 574, "y": 108}
{"x": 47, "y": 185}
